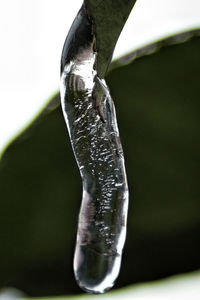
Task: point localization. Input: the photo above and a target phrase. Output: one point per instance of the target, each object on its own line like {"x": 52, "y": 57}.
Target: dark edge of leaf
{"x": 51, "y": 104}
{"x": 181, "y": 37}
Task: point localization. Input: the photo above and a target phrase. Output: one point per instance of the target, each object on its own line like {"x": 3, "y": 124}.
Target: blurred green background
{"x": 157, "y": 101}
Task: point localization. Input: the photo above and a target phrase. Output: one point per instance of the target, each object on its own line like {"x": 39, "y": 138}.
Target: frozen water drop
{"x": 90, "y": 117}
{"x": 95, "y": 272}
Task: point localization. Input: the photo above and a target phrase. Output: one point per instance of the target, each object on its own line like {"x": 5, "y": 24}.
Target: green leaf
{"x": 157, "y": 100}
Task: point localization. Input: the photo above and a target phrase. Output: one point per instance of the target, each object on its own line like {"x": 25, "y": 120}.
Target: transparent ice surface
{"x": 90, "y": 117}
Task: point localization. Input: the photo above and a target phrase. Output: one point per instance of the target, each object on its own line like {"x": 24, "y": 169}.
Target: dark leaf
{"x": 109, "y": 17}
{"x": 157, "y": 99}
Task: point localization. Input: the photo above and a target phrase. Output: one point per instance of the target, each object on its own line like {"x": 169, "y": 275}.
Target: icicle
{"x": 90, "y": 117}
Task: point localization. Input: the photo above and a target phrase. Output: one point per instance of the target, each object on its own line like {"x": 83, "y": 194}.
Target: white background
{"x": 32, "y": 33}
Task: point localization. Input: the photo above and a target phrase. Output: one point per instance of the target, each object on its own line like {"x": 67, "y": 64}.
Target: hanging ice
{"x": 90, "y": 117}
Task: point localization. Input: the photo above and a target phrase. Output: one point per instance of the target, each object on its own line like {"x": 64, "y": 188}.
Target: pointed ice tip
{"x": 95, "y": 273}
